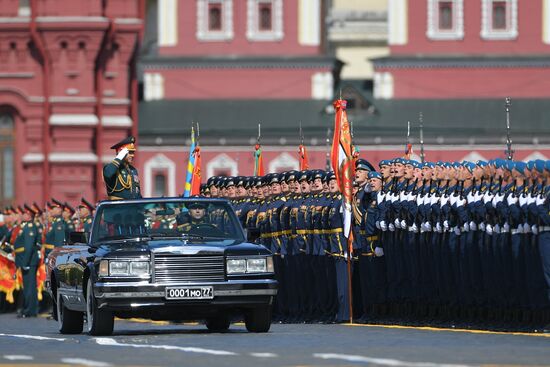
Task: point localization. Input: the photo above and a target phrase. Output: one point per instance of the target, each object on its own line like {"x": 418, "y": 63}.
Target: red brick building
{"x": 68, "y": 91}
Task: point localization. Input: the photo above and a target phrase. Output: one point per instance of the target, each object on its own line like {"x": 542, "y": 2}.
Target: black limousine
{"x": 161, "y": 259}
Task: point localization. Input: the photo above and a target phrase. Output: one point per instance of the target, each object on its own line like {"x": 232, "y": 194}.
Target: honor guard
{"x": 55, "y": 233}
{"x": 85, "y": 210}
{"x": 26, "y": 259}
{"x": 120, "y": 176}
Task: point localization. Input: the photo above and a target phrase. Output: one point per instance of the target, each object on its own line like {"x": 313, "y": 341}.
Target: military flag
{"x": 258, "y": 159}
{"x": 304, "y": 162}
{"x": 190, "y": 165}
{"x": 342, "y": 163}
{"x": 196, "y": 179}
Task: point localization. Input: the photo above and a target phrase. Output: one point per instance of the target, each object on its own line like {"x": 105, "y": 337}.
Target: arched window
{"x": 159, "y": 186}
{"x": 7, "y": 180}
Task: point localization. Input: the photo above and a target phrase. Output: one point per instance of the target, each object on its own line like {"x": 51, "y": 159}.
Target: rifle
{"x": 421, "y": 121}
{"x": 509, "y": 152}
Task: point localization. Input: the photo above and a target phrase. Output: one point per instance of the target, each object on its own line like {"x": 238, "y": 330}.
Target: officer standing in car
{"x": 120, "y": 176}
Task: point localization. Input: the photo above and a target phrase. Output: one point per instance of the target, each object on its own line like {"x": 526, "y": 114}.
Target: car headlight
{"x": 236, "y": 266}
{"x": 250, "y": 265}
{"x": 256, "y": 265}
{"x": 119, "y": 268}
{"x": 139, "y": 268}
{"x": 123, "y": 268}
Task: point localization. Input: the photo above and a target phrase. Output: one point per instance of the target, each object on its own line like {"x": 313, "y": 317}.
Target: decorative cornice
{"x": 237, "y": 63}
{"x": 73, "y": 120}
{"x": 461, "y": 62}
{"x": 72, "y": 157}
{"x": 116, "y": 121}
{"x": 22, "y": 75}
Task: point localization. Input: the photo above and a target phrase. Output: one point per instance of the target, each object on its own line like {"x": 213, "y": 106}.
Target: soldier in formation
{"x": 433, "y": 242}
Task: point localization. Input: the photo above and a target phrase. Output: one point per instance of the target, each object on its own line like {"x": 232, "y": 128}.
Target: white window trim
{"x": 156, "y": 163}
{"x": 203, "y": 33}
{"x": 436, "y": 34}
{"x": 487, "y": 33}
{"x": 222, "y": 161}
{"x": 283, "y": 160}
{"x": 252, "y": 31}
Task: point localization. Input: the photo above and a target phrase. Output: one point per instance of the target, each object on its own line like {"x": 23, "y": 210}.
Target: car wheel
{"x": 100, "y": 322}
{"x": 69, "y": 321}
{"x": 217, "y": 324}
{"x": 258, "y": 320}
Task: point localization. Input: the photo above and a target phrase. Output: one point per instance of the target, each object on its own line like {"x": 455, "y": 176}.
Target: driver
{"x": 197, "y": 216}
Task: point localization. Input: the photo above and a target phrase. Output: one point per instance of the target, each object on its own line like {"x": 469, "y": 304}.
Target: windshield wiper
{"x": 125, "y": 238}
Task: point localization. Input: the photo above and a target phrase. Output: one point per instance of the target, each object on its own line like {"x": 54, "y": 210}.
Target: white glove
{"x": 506, "y": 227}
{"x": 489, "y": 229}
{"x": 482, "y": 226}
{"x": 460, "y": 203}
{"x": 531, "y": 199}
{"x": 419, "y": 200}
{"x": 438, "y": 227}
{"x": 378, "y": 224}
{"x": 414, "y": 228}
{"x": 383, "y": 225}
{"x": 497, "y": 199}
{"x": 535, "y": 229}
{"x": 526, "y": 228}
{"x": 122, "y": 154}
{"x": 446, "y": 225}
{"x": 520, "y": 228}
{"x": 380, "y": 197}
{"x": 471, "y": 197}
{"x": 466, "y": 227}
{"x": 540, "y": 200}
{"x": 434, "y": 199}
{"x": 403, "y": 196}
{"x": 522, "y": 200}
{"x": 391, "y": 227}
{"x": 473, "y": 226}
{"x": 487, "y": 198}
{"x": 378, "y": 251}
{"x": 454, "y": 199}
{"x": 397, "y": 223}
{"x": 403, "y": 224}
{"x": 428, "y": 226}
{"x": 457, "y": 231}
{"x": 478, "y": 196}
{"x": 394, "y": 198}
{"x": 496, "y": 228}
{"x": 444, "y": 200}
{"x": 512, "y": 200}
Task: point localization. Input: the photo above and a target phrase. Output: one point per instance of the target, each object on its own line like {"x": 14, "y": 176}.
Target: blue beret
{"x": 539, "y": 165}
{"x": 481, "y": 163}
{"x": 303, "y": 175}
{"x": 530, "y": 165}
{"x": 469, "y": 166}
{"x": 520, "y": 166}
{"x": 384, "y": 162}
{"x": 374, "y": 174}
{"x": 499, "y": 163}
{"x": 415, "y": 164}
{"x": 509, "y": 165}
{"x": 429, "y": 164}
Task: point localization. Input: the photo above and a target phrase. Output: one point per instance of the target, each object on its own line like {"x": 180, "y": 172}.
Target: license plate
{"x": 189, "y": 293}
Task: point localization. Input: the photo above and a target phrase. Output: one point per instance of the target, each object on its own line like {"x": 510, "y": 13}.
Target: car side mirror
{"x": 78, "y": 238}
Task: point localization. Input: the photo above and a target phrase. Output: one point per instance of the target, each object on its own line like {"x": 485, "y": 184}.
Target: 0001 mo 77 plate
{"x": 189, "y": 293}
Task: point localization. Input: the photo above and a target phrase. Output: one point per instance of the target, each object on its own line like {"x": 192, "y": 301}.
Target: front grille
{"x": 171, "y": 268}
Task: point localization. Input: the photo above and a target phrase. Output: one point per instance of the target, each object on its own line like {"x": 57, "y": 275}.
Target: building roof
{"x": 235, "y": 122}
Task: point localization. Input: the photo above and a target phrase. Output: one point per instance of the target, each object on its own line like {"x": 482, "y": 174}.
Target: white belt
{"x": 516, "y": 231}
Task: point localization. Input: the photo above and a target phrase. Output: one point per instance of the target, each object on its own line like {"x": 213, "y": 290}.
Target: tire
{"x": 69, "y": 321}
{"x": 100, "y": 322}
{"x": 258, "y": 320}
{"x": 218, "y": 324}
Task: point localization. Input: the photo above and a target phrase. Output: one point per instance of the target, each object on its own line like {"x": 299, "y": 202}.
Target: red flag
{"x": 304, "y": 162}
{"x": 196, "y": 178}
{"x": 258, "y": 161}
{"x": 342, "y": 163}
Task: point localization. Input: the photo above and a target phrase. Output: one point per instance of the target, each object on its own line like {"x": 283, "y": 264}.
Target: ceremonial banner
{"x": 8, "y": 282}
{"x": 196, "y": 177}
{"x": 258, "y": 161}
{"x": 342, "y": 164}
{"x": 190, "y": 166}
{"x": 304, "y": 162}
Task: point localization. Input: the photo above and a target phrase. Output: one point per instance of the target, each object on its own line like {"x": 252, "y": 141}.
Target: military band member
{"x": 85, "y": 213}
{"x": 55, "y": 233}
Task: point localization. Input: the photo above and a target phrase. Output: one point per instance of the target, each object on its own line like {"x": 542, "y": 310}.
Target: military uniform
{"x": 121, "y": 178}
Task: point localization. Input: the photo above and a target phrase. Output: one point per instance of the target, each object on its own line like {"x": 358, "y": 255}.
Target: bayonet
{"x": 421, "y": 121}
{"x": 509, "y": 152}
